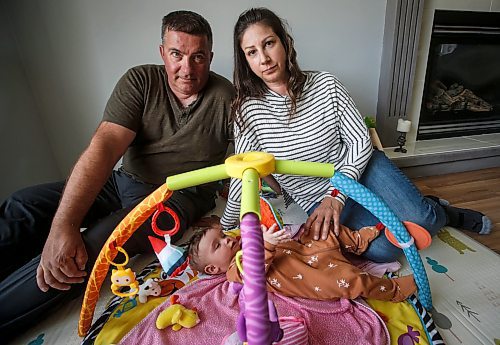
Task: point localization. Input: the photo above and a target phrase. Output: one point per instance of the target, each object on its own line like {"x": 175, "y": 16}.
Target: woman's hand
{"x": 275, "y": 237}
{"x": 326, "y": 214}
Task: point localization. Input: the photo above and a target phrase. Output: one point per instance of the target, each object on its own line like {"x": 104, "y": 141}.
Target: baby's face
{"x": 216, "y": 250}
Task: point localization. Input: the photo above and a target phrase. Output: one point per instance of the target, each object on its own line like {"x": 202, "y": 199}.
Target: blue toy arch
{"x": 381, "y": 210}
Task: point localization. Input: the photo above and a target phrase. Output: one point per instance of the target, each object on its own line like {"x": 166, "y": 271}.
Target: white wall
{"x": 25, "y": 154}
{"x": 74, "y": 51}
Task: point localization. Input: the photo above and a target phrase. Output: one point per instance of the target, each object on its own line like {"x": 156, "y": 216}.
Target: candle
{"x": 404, "y": 125}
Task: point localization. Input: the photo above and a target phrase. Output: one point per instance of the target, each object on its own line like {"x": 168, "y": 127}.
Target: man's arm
{"x": 64, "y": 256}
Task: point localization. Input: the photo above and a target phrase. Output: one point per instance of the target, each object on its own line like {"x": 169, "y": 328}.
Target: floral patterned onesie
{"x": 318, "y": 269}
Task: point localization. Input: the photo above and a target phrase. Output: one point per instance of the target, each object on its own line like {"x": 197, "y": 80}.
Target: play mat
{"x": 463, "y": 276}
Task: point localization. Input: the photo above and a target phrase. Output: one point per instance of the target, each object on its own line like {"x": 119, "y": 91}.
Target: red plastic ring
{"x": 162, "y": 208}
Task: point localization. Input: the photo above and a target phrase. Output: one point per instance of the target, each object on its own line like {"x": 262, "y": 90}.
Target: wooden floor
{"x": 478, "y": 190}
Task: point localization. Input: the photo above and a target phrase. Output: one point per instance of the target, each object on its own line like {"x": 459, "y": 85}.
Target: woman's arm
{"x": 231, "y": 216}
{"x": 271, "y": 182}
{"x": 355, "y": 136}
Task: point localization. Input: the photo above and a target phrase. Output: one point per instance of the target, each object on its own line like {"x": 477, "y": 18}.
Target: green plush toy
{"x": 371, "y": 124}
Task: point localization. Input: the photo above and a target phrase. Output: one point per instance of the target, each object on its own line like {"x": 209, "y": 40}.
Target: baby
{"x": 303, "y": 267}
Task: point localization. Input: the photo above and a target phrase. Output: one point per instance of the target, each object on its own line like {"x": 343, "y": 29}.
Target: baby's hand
{"x": 273, "y": 237}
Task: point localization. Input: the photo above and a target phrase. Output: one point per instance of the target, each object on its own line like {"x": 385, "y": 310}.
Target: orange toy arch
{"x": 120, "y": 235}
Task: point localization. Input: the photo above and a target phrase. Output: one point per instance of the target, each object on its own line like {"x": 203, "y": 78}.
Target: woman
{"x": 320, "y": 123}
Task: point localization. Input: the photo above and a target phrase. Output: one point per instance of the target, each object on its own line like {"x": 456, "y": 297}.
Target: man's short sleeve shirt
{"x": 170, "y": 139}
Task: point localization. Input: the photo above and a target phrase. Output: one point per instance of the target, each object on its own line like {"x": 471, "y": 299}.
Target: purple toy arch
{"x": 254, "y": 281}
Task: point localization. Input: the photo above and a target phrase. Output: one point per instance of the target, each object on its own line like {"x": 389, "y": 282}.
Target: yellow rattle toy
{"x": 121, "y": 277}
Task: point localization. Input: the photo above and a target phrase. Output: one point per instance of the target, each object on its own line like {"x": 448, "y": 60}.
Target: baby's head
{"x": 211, "y": 251}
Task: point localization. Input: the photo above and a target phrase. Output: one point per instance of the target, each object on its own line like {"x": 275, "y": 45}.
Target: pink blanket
{"x": 333, "y": 322}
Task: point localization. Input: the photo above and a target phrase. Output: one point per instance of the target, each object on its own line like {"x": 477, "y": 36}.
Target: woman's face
{"x": 265, "y": 54}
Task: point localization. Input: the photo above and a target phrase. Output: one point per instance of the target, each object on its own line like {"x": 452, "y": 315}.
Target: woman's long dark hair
{"x": 247, "y": 84}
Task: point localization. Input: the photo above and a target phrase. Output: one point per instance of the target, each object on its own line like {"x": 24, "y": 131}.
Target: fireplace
{"x": 462, "y": 83}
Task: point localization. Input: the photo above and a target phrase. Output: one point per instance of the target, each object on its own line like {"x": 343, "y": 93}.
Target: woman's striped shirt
{"x": 326, "y": 128}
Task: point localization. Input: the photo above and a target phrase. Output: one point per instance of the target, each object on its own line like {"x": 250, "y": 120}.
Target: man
{"x": 163, "y": 120}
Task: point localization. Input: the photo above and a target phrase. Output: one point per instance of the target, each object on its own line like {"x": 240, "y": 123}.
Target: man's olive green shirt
{"x": 170, "y": 139}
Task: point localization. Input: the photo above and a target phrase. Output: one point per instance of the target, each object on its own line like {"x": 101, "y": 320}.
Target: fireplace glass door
{"x": 462, "y": 88}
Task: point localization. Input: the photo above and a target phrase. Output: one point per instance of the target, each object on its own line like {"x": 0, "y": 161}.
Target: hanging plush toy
{"x": 269, "y": 216}
{"x": 121, "y": 277}
{"x": 173, "y": 259}
{"x": 150, "y": 287}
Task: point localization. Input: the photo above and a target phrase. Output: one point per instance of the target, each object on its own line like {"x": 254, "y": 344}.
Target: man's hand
{"x": 326, "y": 214}
{"x": 275, "y": 237}
{"x": 64, "y": 256}
{"x": 63, "y": 261}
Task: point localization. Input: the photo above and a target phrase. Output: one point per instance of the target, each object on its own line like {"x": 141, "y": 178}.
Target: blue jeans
{"x": 384, "y": 179}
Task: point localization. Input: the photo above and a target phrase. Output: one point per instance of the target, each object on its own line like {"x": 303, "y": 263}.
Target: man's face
{"x": 187, "y": 61}
{"x": 216, "y": 251}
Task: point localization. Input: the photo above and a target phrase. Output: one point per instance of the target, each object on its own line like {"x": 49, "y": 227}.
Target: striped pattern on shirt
{"x": 326, "y": 128}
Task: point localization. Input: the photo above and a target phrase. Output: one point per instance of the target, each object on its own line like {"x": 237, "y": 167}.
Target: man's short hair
{"x": 188, "y": 22}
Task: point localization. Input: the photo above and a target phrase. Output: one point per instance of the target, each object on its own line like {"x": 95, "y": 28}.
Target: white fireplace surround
{"x": 407, "y": 37}
{"x": 423, "y": 49}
